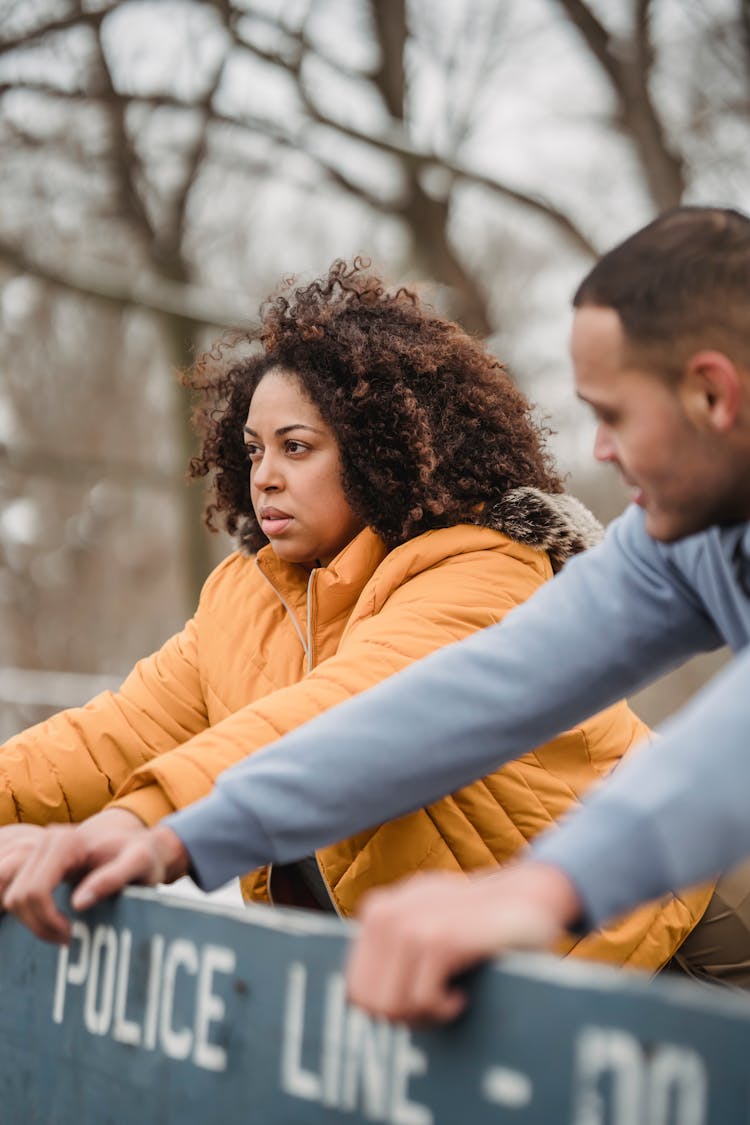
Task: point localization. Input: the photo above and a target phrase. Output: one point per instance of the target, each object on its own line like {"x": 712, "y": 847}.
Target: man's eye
{"x": 605, "y": 418}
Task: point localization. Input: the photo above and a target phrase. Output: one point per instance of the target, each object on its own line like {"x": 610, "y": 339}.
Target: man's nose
{"x": 604, "y": 449}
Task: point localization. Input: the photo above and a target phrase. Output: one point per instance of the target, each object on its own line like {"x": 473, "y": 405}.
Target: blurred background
{"x": 165, "y": 163}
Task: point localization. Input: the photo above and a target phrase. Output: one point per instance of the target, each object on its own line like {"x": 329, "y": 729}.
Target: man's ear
{"x": 711, "y": 390}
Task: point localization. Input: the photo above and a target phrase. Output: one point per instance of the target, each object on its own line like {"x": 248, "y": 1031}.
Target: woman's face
{"x": 295, "y": 474}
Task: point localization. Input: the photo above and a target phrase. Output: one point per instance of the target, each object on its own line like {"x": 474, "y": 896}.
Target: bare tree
{"x": 169, "y": 161}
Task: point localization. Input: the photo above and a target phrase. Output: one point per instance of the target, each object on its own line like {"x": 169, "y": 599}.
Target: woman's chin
{"x": 287, "y": 553}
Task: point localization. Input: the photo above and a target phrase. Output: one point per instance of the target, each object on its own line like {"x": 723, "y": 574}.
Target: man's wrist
{"x": 115, "y": 817}
{"x": 172, "y": 852}
{"x": 542, "y": 886}
{"x": 553, "y": 888}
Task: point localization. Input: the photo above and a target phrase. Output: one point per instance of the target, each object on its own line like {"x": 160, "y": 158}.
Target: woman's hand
{"x": 65, "y": 851}
{"x": 17, "y": 842}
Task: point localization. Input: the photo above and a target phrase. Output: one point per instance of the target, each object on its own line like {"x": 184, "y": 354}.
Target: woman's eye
{"x": 253, "y": 451}
{"x": 296, "y": 447}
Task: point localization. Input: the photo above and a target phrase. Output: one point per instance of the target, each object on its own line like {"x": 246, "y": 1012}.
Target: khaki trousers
{"x": 718, "y": 949}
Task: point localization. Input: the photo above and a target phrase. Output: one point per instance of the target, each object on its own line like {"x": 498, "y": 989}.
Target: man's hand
{"x": 417, "y": 936}
{"x": 155, "y": 856}
{"x": 64, "y": 851}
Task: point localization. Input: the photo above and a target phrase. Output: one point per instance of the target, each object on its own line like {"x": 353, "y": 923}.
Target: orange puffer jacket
{"x": 271, "y": 646}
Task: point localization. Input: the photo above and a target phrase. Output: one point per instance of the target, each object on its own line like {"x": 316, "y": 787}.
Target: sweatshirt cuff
{"x": 612, "y": 858}
{"x": 222, "y": 839}
{"x": 149, "y": 804}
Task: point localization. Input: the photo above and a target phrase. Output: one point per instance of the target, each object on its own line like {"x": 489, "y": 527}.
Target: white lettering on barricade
{"x": 151, "y": 1014}
{"x": 71, "y": 974}
{"x": 210, "y": 1007}
{"x": 177, "y": 1044}
{"x": 502, "y": 1085}
{"x": 103, "y": 965}
{"x": 617, "y": 1082}
{"x": 677, "y": 1076}
{"x": 364, "y": 1064}
{"x": 123, "y": 1029}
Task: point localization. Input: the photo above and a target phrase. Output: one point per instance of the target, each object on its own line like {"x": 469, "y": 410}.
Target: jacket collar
{"x": 554, "y": 522}
{"x": 337, "y": 586}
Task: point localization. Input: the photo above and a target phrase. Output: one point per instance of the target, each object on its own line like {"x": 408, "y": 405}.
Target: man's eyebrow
{"x": 285, "y": 429}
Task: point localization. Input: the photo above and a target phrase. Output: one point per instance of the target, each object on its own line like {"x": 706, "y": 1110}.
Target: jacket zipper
{"x": 287, "y": 607}
{"x": 309, "y": 656}
{"x": 310, "y": 653}
{"x": 310, "y": 666}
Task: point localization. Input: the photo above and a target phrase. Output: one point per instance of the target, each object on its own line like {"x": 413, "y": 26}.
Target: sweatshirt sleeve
{"x": 671, "y": 817}
{"x": 611, "y": 621}
{"x": 428, "y": 611}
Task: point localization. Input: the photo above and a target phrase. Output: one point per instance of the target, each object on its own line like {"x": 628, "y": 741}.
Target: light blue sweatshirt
{"x": 614, "y": 619}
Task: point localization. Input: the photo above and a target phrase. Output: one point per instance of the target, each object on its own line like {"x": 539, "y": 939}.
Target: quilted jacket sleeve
{"x": 435, "y": 607}
{"x": 70, "y": 766}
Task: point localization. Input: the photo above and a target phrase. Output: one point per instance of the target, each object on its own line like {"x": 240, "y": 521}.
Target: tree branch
{"x": 125, "y": 156}
{"x": 64, "y": 23}
{"x": 595, "y": 36}
{"x": 628, "y": 73}
{"x": 396, "y": 145}
{"x": 74, "y": 469}
{"x": 390, "y": 23}
{"x": 156, "y": 294}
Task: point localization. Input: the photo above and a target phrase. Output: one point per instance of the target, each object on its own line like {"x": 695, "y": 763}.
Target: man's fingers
{"x": 433, "y": 993}
{"x": 381, "y": 962}
{"x": 135, "y": 864}
{"x": 417, "y": 936}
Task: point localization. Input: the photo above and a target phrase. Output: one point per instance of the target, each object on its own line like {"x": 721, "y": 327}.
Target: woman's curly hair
{"x": 432, "y": 431}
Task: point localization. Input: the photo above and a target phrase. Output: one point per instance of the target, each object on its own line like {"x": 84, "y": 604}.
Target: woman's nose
{"x": 266, "y": 473}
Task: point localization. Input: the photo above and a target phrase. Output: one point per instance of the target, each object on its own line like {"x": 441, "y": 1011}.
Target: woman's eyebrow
{"x": 285, "y": 429}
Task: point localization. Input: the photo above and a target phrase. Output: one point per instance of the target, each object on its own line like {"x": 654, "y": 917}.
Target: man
{"x": 661, "y": 350}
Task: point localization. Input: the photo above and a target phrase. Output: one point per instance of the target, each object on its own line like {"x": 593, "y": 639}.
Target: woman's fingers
{"x": 29, "y": 894}
{"x": 59, "y": 853}
{"x": 11, "y": 862}
{"x": 19, "y": 839}
{"x": 114, "y": 848}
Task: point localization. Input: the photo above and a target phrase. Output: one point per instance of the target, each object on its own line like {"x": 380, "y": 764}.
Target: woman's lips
{"x": 274, "y": 523}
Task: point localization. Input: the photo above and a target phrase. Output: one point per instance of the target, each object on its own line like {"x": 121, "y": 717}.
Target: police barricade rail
{"x": 162, "y": 1011}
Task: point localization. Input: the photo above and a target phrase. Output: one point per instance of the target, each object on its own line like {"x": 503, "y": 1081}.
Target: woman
{"x": 390, "y": 494}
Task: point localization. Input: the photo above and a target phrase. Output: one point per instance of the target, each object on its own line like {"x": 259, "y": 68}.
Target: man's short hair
{"x": 679, "y": 285}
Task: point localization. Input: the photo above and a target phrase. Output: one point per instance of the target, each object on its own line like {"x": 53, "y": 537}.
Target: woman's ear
{"x": 711, "y": 390}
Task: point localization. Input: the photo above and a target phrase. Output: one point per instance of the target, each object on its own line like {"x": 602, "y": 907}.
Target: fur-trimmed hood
{"x": 556, "y": 523}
